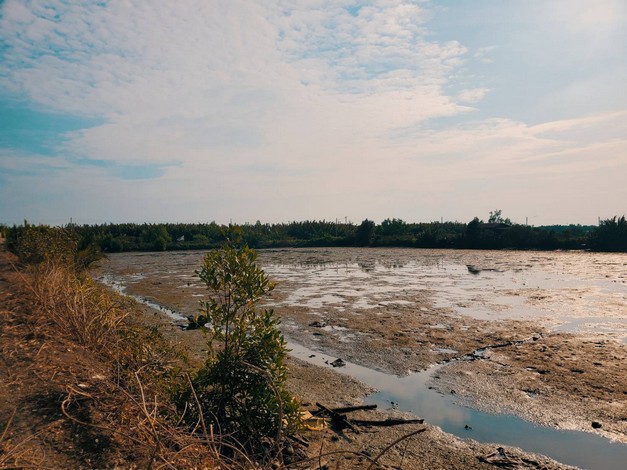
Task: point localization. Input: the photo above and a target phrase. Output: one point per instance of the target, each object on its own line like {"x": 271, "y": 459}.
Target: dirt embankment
{"x": 70, "y": 405}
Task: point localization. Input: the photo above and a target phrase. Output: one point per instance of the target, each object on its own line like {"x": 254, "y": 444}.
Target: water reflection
{"x": 411, "y": 393}
{"x": 568, "y": 291}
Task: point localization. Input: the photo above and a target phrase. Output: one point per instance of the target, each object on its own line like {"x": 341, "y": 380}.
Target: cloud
{"x": 21, "y": 164}
{"x": 483, "y": 54}
{"x": 312, "y": 106}
{"x": 473, "y": 95}
{"x": 582, "y": 16}
{"x": 184, "y": 82}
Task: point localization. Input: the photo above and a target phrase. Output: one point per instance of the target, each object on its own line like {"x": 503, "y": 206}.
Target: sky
{"x": 246, "y": 110}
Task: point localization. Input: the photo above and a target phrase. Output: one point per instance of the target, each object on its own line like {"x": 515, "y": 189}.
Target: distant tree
{"x": 610, "y": 235}
{"x": 393, "y": 227}
{"x": 496, "y": 218}
{"x": 156, "y": 237}
{"x": 473, "y": 231}
{"x": 200, "y": 239}
{"x": 365, "y": 233}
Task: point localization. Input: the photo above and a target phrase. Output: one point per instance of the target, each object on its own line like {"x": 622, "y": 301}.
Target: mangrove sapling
{"x": 241, "y": 387}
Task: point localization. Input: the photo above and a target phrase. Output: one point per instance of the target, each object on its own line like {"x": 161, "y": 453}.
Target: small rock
{"x": 469, "y": 428}
{"x": 596, "y": 425}
{"x": 338, "y": 363}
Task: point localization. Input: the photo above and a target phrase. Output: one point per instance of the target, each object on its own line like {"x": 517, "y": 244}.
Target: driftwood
{"x": 338, "y": 419}
{"x": 348, "y": 409}
{"x": 387, "y": 422}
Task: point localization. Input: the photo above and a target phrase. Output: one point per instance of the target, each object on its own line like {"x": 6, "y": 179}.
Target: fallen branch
{"x": 348, "y": 409}
{"x": 387, "y": 422}
{"x": 338, "y": 419}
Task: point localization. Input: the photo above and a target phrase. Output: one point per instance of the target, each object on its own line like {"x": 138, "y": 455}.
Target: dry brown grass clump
{"x": 79, "y": 308}
{"x": 81, "y": 385}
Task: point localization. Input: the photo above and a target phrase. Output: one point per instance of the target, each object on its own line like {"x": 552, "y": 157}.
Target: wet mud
{"x": 536, "y": 335}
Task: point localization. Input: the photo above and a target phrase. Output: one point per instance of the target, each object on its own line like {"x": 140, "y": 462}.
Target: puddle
{"x": 412, "y": 393}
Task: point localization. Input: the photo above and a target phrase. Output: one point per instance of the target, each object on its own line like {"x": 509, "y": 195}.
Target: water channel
{"x": 412, "y": 393}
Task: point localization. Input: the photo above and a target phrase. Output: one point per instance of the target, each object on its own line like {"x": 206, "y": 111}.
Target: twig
{"x": 270, "y": 381}
{"x": 400, "y": 439}
{"x": 348, "y": 409}
{"x": 6, "y": 428}
{"x": 150, "y": 421}
{"x": 200, "y": 414}
{"x": 338, "y": 418}
{"x": 320, "y": 454}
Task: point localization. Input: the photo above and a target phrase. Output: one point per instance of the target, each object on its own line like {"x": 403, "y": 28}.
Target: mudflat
{"x": 500, "y": 331}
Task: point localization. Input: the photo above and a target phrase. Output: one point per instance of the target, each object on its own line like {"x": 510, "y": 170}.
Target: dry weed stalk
{"x": 78, "y": 306}
{"x": 16, "y": 455}
{"x": 151, "y": 434}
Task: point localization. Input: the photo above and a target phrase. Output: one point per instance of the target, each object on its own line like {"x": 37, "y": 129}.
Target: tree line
{"x": 496, "y": 233}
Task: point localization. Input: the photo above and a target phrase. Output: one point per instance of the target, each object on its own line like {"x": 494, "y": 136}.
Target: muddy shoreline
{"x": 562, "y": 380}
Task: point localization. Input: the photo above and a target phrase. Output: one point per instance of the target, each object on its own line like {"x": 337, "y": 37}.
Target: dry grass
{"x": 57, "y": 340}
{"x": 17, "y": 454}
{"x": 80, "y": 308}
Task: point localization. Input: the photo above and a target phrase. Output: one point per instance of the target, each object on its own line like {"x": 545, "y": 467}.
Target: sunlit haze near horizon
{"x": 199, "y": 111}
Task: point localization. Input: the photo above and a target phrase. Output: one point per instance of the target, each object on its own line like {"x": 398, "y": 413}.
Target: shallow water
{"x": 412, "y": 393}
{"x": 576, "y": 292}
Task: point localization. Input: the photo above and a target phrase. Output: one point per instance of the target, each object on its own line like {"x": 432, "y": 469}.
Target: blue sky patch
{"x": 138, "y": 172}
{"x": 29, "y": 130}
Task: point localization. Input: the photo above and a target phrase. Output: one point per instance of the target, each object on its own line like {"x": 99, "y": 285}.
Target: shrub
{"x": 241, "y": 387}
{"x": 60, "y": 246}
